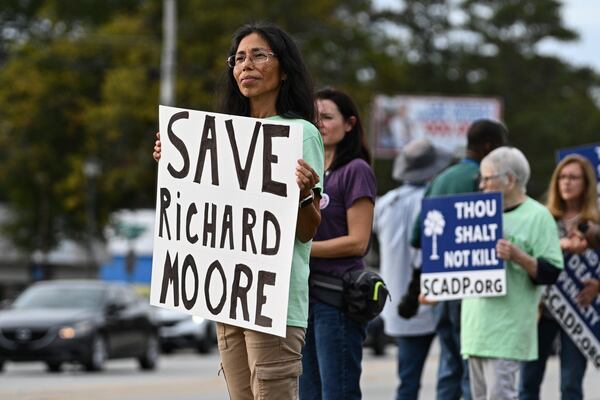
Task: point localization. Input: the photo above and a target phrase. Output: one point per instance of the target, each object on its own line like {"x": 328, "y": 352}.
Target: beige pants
{"x": 259, "y": 366}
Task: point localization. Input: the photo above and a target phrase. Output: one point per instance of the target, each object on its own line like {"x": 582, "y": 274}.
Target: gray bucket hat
{"x": 420, "y": 161}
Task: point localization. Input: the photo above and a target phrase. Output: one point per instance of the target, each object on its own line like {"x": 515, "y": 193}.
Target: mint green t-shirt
{"x": 313, "y": 153}
{"x": 506, "y": 327}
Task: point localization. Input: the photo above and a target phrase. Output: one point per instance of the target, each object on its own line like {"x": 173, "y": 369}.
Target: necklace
{"x": 571, "y": 221}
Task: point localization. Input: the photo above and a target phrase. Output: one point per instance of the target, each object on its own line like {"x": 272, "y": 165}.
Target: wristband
{"x": 307, "y": 200}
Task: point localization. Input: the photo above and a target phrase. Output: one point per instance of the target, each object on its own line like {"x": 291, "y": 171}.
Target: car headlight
{"x": 197, "y": 320}
{"x": 75, "y": 330}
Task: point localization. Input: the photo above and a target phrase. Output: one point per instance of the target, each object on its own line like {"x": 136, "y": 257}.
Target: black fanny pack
{"x": 360, "y": 294}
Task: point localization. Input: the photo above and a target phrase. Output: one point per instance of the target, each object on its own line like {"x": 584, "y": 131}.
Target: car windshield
{"x": 60, "y": 297}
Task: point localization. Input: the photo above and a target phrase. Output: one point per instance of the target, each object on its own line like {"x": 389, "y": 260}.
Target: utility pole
{"x": 169, "y": 53}
{"x": 91, "y": 171}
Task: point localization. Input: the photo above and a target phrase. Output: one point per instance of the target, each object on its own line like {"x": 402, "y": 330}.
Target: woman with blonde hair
{"x": 573, "y": 201}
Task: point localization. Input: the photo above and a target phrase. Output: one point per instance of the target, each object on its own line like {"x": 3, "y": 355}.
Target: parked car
{"x": 79, "y": 321}
{"x": 179, "y": 330}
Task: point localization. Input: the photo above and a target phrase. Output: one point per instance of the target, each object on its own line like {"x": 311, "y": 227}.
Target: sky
{"x": 582, "y": 16}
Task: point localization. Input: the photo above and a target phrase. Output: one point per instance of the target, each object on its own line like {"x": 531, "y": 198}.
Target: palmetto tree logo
{"x": 434, "y": 226}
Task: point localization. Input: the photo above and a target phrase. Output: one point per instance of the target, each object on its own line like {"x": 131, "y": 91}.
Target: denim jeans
{"x": 572, "y": 364}
{"x": 412, "y": 353}
{"x": 332, "y": 355}
{"x": 453, "y": 370}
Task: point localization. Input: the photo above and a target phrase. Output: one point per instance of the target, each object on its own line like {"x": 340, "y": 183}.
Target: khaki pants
{"x": 259, "y": 366}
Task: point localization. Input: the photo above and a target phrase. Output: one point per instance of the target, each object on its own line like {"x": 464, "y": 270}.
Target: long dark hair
{"x": 295, "y": 98}
{"x": 353, "y": 144}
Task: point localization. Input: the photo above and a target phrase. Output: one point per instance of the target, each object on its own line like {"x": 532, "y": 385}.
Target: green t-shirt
{"x": 506, "y": 327}
{"x": 313, "y": 153}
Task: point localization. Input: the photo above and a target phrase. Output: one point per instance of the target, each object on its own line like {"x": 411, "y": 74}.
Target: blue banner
{"x": 590, "y": 151}
{"x": 458, "y": 243}
{"x": 581, "y": 323}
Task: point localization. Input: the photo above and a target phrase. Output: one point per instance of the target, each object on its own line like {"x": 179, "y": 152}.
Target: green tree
{"x": 490, "y": 48}
{"x": 85, "y": 87}
{"x": 52, "y": 73}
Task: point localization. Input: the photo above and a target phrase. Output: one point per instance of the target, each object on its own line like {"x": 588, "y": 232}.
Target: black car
{"x": 79, "y": 321}
{"x": 179, "y": 331}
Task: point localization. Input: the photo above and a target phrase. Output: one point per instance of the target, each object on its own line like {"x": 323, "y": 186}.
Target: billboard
{"x": 396, "y": 120}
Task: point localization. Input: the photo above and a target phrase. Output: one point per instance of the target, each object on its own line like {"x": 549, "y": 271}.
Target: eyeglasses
{"x": 486, "y": 179}
{"x": 569, "y": 177}
{"x": 259, "y": 56}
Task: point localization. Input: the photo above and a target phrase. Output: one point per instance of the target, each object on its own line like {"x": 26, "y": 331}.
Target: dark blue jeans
{"x": 331, "y": 356}
{"x": 412, "y": 353}
{"x": 453, "y": 371}
{"x": 572, "y": 364}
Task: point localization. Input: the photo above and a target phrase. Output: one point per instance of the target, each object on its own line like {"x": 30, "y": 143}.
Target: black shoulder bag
{"x": 360, "y": 294}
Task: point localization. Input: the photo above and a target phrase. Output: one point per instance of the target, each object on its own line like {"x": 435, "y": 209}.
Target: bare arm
{"x": 589, "y": 292}
{"x": 511, "y": 252}
{"x": 360, "y": 221}
{"x": 575, "y": 242}
{"x": 309, "y": 217}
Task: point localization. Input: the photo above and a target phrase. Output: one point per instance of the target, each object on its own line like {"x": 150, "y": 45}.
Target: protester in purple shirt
{"x": 332, "y": 354}
{"x": 350, "y": 183}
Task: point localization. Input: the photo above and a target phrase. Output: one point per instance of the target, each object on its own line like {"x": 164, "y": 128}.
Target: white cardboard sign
{"x": 226, "y": 208}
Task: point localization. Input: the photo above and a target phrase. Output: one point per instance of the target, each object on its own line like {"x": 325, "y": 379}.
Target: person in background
{"x": 483, "y": 136}
{"x": 591, "y": 233}
{"x": 416, "y": 165}
{"x": 332, "y": 355}
{"x": 499, "y": 333}
{"x": 573, "y": 202}
{"x": 267, "y": 78}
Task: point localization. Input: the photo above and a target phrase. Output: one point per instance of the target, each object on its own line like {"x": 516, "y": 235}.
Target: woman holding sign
{"x": 498, "y": 334}
{"x": 332, "y": 356}
{"x": 572, "y": 200}
{"x": 267, "y": 78}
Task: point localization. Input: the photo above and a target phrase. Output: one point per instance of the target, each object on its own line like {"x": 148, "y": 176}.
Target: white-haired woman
{"x": 499, "y": 333}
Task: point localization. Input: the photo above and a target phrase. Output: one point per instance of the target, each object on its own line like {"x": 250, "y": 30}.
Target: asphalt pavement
{"x": 187, "y": 376}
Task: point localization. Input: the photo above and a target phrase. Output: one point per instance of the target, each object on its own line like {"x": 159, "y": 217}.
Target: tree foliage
{"x": 490, "y": 48}
{"x": 79, "y": 82}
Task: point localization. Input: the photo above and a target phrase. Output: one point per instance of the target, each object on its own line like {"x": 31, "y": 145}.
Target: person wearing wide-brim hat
{"x": 417, "y": 163}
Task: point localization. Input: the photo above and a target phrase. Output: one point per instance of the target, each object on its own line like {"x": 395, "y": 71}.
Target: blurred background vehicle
{"x": 178, "y": 330}
{"x": 80, "y": 321}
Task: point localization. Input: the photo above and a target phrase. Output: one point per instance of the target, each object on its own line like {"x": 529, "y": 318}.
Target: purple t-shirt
{"x": 342, "y": 187}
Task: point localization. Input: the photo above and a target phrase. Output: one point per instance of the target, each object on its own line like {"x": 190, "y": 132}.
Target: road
{"x": 187, "y": 376}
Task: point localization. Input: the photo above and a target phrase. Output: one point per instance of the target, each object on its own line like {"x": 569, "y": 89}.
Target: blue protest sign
{"x": 459, "y": 246}
{"x": 590, "y": 151}
{"x": 581, "y": 323}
